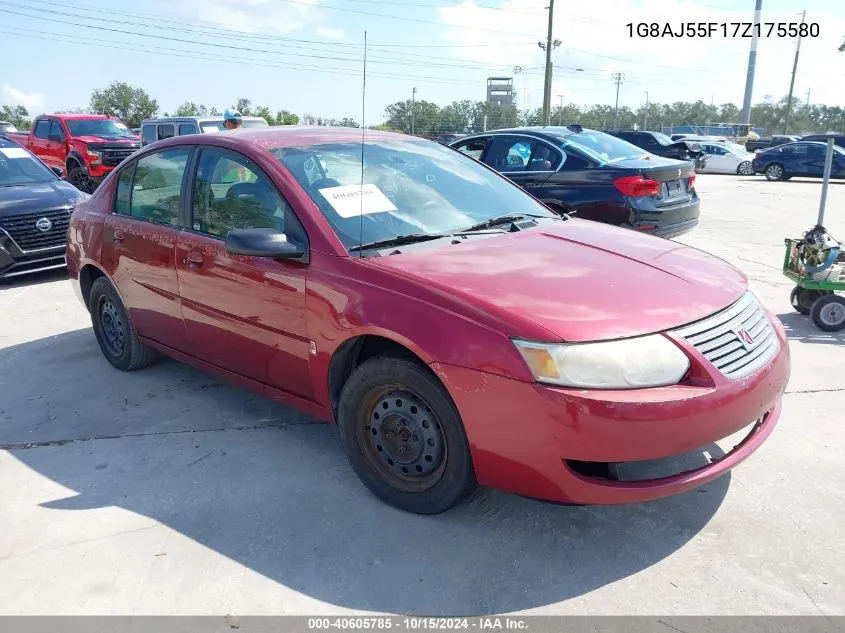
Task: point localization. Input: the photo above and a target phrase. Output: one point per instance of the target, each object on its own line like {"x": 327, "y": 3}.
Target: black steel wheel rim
{"x": 402, "y": 438}
{"x": 111, "y": 327}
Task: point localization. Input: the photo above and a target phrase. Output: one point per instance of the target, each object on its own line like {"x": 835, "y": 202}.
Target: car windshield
{"x": 104, "y": 128}
{"x": 409, "y": 187}
{"x": 18, "y": 167}
{"x": 604, "y": 148}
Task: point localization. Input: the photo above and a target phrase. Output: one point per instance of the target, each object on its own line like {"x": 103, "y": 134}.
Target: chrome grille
{"x": 721, "y": 338}
{"x": 22, "y": 229}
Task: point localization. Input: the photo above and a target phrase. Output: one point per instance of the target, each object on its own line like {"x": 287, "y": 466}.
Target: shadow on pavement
{"x": 801, "y": 328}
{"x": 266, "y": 487}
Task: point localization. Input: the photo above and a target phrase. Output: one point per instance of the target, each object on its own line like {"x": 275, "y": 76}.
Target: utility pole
{"x": 808, "y": 97}
{"x": 745, "y": 115}
{"x": 645, "y": 114}
{"x": 547, "y": 46}
{"x": 618, "y": 78}
{"x": 413, "y": 107}
{"x": 792, "y": 81}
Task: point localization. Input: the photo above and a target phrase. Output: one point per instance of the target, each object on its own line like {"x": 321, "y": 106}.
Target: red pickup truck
{"x": 85, "y": 146}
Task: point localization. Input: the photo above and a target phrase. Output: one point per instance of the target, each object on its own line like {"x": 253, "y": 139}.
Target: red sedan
{"x": 456, "y": 330}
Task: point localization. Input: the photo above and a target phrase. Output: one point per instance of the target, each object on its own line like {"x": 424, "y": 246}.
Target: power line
{"x": 445, "y": 6}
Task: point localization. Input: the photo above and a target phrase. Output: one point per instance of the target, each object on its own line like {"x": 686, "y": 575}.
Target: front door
{"x": 139, "y": 243}
{"x": 47, "y": 146}
{"x": 245, "y": 314}
{"x": 526, "y": 161}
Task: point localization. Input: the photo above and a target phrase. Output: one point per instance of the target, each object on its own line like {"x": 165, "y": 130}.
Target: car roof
{"x": 280, "y": 136}
{"x": 551, "y": 132}
{"x": 199, "y": 119}
{"x": 79, "y": 116}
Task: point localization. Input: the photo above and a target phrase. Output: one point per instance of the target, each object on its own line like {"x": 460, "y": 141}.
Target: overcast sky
{"x": 306, "y": 55}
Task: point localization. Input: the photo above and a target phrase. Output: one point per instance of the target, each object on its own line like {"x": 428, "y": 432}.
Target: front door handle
{"x": 118, "y": 235}
{"x": 194, "y": 259}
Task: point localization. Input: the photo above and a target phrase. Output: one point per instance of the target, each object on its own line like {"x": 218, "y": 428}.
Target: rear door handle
{"x": 118, "y": 235}
{"x": 194, "y": 259}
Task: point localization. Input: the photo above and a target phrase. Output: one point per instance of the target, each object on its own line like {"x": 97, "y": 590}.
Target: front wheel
{"x": 774, "y": 172}
{"x": 828, "y": 313}
{"x": 745, "y": 168}
{"x": 403, "y": 436}
{"x": 78, "y": 176}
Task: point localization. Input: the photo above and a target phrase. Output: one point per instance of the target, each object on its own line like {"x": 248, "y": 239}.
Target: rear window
{"x": 602, "y": 147}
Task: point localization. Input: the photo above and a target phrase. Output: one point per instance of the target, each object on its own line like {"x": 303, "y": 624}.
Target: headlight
{"x": 646, "y": 361}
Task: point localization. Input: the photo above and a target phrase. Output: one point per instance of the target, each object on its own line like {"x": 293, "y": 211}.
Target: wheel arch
{"x": 74, "y": 157}
{"x": 356, "y": 350}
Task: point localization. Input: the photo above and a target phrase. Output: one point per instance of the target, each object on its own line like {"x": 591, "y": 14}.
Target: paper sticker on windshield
{"x": 14, "y": 152}
{"x": 352, "y": 200}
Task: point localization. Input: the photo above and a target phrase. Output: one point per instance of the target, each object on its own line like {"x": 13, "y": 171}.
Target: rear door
{"x": 139, "y": 243}
{"x": 245, "y": 314}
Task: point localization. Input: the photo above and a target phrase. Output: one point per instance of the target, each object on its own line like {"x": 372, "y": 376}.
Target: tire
{"x": 114, "y": 331}
{"x": 79, "y": 178}
{"x": 802, "y": 300}
{"x": 774, "y": 171}
{"x": 404, "y": 437}
{"x": 745, "y": 168}
{"x": 828, "y": 313}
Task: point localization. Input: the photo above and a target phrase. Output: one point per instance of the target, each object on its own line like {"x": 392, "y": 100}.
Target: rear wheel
{"x": 802, "y": 300}
{"x": 774, "y": 172}
{"x": 114, "y": 331}
{"x": 828, "y": 313}
{"x": 403, "y": 436}
{"x": 745, "y": 168}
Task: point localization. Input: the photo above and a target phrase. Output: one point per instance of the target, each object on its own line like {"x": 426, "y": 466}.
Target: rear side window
{"x": 148, "y": 134}
{"x": 187, "y": 128}
{"x": 124, "y": 190}
{"x": 166, "y": 130}
{"x": 42, "y": 129}
{"x": 157, "y": 188}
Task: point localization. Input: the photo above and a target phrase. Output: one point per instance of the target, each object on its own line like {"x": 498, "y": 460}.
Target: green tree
{"x": 189, "y": 108}
{"x": 283, "y": 117}
{"x": 244, "y": 106}
{"x": 131, "y": 104}
{"x": 425, "y": 119}
{"x": 265, "y": 113}
{"x": 17, "y": 116}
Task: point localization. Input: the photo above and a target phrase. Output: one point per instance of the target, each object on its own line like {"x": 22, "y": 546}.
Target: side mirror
{"x": 58, "y": 171}
{"x": 262, "y": 243}
{"x": 55, "y": 138}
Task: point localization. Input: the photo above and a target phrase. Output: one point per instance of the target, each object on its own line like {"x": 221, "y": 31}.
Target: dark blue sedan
{"x": 802, "y": 158}
{"x": 596, "y": 175}
{"x": 35, "y": 208}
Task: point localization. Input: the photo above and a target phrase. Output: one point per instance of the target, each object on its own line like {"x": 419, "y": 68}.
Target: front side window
{"x": 56, "y": 130}
{"x": 230, "y": 194}
{"x": 157, "y": 189}
{"x": 409, "y": 187}
{"x": 508, "y": 154}
{"x": 474, "y": 148}
{"x": 187, "y": 128}
{"x": 148, "y": 134}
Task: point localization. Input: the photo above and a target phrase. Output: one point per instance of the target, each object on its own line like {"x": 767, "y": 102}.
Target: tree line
{"x": 424, "y": 118}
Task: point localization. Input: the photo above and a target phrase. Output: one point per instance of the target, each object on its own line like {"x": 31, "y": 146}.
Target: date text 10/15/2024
{"x": 723, "y": 29}
{"x": 405, "y": 623}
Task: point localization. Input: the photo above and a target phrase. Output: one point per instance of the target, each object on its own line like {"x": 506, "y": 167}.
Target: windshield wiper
{"x": 399, "y": 240}
{"x": 506, "y": 218}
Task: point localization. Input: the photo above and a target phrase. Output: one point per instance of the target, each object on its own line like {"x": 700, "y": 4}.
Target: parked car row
{"x": 456, "y": 329}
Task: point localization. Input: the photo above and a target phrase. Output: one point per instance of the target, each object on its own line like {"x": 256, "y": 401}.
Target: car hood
{"x": 44, "y": 196}
{"x": 578, "y": 280}
{"x": 112, "y": 140}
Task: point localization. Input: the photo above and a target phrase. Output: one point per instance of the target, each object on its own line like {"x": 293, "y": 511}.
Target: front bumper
{"x": 524, "y": 436}
{"x": 15, "y": 263}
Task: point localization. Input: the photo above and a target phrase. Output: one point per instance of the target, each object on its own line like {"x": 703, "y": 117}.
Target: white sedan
{"x": 726, "y": 158}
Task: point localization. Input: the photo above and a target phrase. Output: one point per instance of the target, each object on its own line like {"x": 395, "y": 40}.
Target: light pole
{"x": 745, "y": 115}
{"x": 792, "y": 81}
{"x": 645, "y": 113}
{"x": 618, "y": 78}
{"x": 413, "y": 107}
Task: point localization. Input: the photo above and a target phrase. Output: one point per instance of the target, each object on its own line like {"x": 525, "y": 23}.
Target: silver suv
{"x": 153, "y": 130}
